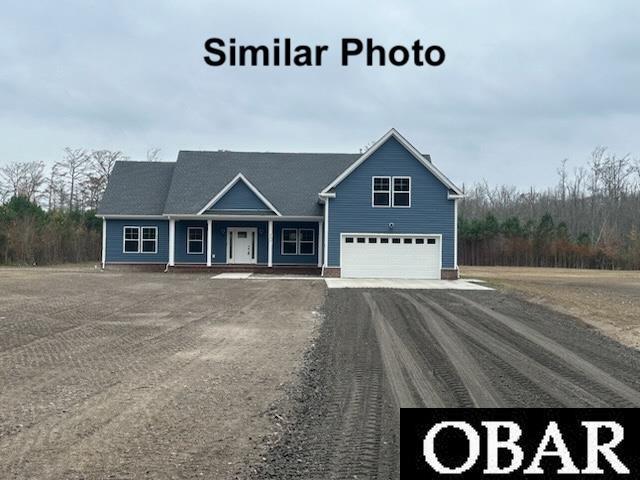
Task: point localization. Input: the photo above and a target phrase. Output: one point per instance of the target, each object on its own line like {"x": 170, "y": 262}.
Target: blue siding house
{"x": 388, "y": 212}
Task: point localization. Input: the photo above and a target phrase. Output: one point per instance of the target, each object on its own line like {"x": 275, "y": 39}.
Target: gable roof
{"x": 425, "y": 160}
{"x": 137, "y": 188}
{"x": 233, "y": 183}
{"x": 290, "y": 181}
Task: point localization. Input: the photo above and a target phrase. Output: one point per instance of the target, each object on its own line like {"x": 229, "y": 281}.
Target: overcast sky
{"x": 524, "y": 84}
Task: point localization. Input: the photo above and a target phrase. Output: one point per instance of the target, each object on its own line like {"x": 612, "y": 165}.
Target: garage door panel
{"x": 397, "y": 259}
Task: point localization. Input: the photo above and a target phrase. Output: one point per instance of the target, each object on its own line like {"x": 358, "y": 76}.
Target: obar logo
{"x": 519, "y": 443}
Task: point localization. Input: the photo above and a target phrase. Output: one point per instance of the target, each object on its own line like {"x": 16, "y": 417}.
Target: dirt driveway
{"x": 107, "y": 375}
{"x": 383, "y": 349}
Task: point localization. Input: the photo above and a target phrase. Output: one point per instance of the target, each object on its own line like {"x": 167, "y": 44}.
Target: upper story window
{"x": 381, "y": 192}
{"x": 401, "y": 191}
{"x": 140, "y": 239}
{"x": 391, "y": 192}
{"x": 195, "y": 240}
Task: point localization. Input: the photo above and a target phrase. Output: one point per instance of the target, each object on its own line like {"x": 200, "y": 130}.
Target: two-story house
{"x": 388, "y": 212}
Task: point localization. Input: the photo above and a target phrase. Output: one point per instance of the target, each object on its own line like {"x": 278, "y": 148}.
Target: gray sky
{"x": 524, "y": 85}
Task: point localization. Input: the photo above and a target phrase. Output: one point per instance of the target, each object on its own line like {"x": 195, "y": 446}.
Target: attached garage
{"x": 367, "y": 255}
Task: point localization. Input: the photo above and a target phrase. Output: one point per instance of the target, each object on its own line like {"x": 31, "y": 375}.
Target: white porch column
{"x": 320, "y": 247}
{"x": 326, "y": 233}
{"x": 172, "y": 242}
{"x": 270, "y": 241}
{"x": 209, "y": 233}
{"x": 455, "y": 234}
{"x": 104, "y": 242}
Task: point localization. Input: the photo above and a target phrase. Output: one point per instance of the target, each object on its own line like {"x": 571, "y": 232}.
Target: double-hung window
{"x": 401, "y": 191}
{"x": 381, "y": 192}
{"x": 289, "y": 241}
{"x": 149, "y": 240}
{"x": 195, "y": 240}
{"x": 391, "y": 192}
{"x": 298, "y": 241}
{"x": 306, "y": 241}
{"x": 140, "y": 240}
{"x": 131, "y": 240}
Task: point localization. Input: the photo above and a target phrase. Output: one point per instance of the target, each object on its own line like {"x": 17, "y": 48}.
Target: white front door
{"x": 242, "y": 245}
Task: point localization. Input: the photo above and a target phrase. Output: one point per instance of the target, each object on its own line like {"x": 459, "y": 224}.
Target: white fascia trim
{"x": 263, "y": 218}
{"x": 133, "y": 217}
{"x": 403, "y": 141}
{"x": 324, "y": 197}
{"x": 228, "y": 187}
{"x": 451, "y": 196}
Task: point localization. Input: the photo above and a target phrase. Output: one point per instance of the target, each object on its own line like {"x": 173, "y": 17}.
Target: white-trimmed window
{"x": 289, "y": 241}
{"x": 402, "y": 192}
{"x": 381, "y": 191}
{"x": 149, "y": 240}
{"x": 298, "y": 241}
{"x": 306, "y": 241}
{"x": 195, "y": 240}
{"x": 139, "y": 239}
{"x": 131, "y": 239}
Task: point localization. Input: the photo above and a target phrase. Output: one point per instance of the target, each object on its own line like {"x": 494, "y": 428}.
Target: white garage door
{"x": 390, "y": 256}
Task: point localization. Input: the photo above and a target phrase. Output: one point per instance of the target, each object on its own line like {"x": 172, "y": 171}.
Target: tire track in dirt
{"x": 589, "y": 370}
{"x": 436, "y": 349}
{"x": 479, "y": 386}
{"x": 515, "y": 360}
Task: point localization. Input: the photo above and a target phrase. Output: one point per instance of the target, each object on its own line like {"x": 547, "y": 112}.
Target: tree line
{"x": 47, "y": 213}
{"x": 590, "y": 219}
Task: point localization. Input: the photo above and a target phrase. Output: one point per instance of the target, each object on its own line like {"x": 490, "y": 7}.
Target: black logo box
{"x": 451, "y": 445}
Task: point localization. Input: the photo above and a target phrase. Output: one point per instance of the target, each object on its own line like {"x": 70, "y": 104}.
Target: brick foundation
{"x": 449, "y": 274}
{"x": 333, "y": 272}
{"x": 275, "y": 270}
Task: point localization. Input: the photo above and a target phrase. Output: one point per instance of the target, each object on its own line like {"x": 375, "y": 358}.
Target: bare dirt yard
{"x": 144, "y": 375}
{"x": 608, "y": 300}
{"x": 150, "y": 375}
{"x": 380, "y": 350}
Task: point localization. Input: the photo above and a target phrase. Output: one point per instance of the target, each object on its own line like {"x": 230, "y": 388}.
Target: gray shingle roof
{"x": 137, "y": 188}
{"x": 290, "y": 181}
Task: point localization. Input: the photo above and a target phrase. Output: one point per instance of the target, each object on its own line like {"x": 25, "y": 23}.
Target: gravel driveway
{"x": 383, "y": 349}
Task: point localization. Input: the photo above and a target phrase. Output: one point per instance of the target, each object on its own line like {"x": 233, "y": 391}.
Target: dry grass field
{"x": 608, "y": 300}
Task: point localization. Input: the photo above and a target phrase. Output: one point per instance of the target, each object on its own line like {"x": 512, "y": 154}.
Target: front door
{"x": 242, "y": 245}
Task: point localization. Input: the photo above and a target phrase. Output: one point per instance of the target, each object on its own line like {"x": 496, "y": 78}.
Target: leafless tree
{"x": 73, "y": 169}
{"x": 22, "y": 178}
{"x": 153, "y": 154}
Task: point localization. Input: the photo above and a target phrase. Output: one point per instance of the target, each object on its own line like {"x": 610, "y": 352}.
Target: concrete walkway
{"x": 406, "y": 284}
{"x": 400, "y": 283}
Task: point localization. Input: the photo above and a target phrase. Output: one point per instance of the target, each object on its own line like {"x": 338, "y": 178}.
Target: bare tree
{"x": 104, "y": 160}
{"x": 153, "y": 154}
{"x": 22, "y": 179}
{"x": 73, "y": 169}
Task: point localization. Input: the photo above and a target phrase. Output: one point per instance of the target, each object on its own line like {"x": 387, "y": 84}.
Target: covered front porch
{"x": 239, "y": 243}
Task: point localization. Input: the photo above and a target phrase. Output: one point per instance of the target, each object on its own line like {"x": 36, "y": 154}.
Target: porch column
{"x": 320, "y": 247}
{"x": 270, "y": 241}
{"x": 172, "y": 242}
{"x": 104, "y": 242}
{"x": 209, "y": 233}
{"x": 326, "y": 233}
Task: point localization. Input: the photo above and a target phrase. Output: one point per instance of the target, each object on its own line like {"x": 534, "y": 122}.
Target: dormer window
{"x": 381, "y": 194}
